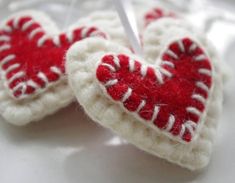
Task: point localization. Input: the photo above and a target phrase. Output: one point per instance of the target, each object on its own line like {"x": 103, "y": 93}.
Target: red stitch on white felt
{"x": 114, "y": 69}
{"x": 22, "y": 80}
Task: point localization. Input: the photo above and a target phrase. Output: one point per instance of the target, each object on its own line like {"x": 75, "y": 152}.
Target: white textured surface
{"x": 69, "y": 148}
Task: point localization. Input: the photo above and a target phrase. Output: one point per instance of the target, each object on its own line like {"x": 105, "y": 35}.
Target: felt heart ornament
{"x": 31, "y": 59}
{"x": 32, "y": 64}
{"x": 168, "y": 107}
{"x": 172, "y": 97}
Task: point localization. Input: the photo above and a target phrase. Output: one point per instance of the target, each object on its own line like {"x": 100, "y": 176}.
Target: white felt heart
{"x": 82, "y": 70}
{"x": 32, "y": 49}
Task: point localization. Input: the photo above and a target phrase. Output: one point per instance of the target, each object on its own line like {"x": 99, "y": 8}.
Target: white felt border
{"x": 136, "y": 115}
{"x": 21, "y": 112}
{"x": 108, "y": 22}
{"x": 81, "y": 68}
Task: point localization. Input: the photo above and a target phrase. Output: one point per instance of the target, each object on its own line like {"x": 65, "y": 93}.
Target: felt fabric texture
{"x": 33, "y": 82}
{"x": 82, "y": 75}
{"x": 156, "y": 13}
{"x": 171, "y": 97}
{"x": 32, "y": 60}
{"x": 108, "y": 22}
{"x": 152, "y": 11}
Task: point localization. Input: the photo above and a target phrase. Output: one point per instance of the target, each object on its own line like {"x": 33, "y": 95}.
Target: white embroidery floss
{"x": 127, "y": 17}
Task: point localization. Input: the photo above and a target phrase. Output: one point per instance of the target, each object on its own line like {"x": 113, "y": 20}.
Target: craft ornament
{"x": 32, "y": 50}
{"x": 166, "y": 103}
{"x": 172, "y": 97}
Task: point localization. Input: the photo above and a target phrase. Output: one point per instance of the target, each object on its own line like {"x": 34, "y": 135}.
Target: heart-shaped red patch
{"x": 171, "y": 97}
{"x": 30, "y": 59}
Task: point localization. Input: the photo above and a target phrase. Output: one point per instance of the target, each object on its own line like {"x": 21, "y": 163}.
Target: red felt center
{"x": 32, "y": 60}
{"x": 171, "y": 98}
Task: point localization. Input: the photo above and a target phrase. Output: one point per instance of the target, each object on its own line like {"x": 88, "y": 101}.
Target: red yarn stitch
{"x": 155, "y": 14}
{"x": 173, "y": 96}
{"x": 34, "y": 59}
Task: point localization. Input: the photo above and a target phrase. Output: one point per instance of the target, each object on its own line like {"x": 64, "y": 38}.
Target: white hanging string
{"x": 69, "y": 10}
{"x": 126, "y": 14}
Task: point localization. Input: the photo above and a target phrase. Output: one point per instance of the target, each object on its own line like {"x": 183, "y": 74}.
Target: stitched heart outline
{"x": 31, "y": 59}
{"x": 171, "y": 98}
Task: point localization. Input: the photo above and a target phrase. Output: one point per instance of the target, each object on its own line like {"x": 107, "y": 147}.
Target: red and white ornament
{"x": 171, "y": 97}
{"x": 166, "y": 103}
{"x": 32, "y": 53}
